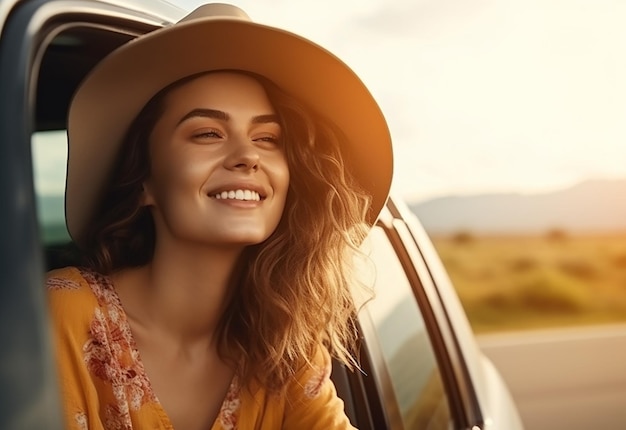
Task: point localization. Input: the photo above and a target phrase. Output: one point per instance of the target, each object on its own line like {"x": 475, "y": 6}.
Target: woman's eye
{"x": 269, "y": 139}
{"x": 208, "y": 134}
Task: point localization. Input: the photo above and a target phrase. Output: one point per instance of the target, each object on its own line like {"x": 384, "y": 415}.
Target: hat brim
{"x": 117, "y": 89}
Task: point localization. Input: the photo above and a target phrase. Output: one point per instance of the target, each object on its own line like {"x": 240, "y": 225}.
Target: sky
{"x": 481, "y": 96}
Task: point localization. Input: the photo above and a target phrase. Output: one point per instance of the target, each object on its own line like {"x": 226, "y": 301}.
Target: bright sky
{"x": 482, "y": 95}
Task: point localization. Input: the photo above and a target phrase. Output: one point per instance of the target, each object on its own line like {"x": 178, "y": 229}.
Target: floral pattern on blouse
{"x": 230, "y": 407}
{"x": 314, "y": 385}
{"x": 81, "y": 421}
{"x": 111, "y": 355}
{"x": 62, "y": 284}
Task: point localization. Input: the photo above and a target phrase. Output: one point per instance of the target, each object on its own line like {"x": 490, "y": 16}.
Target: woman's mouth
{"x": 243, "y": 195}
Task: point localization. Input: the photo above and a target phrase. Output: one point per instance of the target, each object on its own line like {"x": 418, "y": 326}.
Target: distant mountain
{"x": 591, "y": 206}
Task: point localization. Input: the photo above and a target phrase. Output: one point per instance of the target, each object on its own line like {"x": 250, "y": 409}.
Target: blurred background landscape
{"x": 536, "y": 260}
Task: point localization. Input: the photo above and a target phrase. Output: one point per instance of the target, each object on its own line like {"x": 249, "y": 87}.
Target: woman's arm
{"x": 312, "y": 401}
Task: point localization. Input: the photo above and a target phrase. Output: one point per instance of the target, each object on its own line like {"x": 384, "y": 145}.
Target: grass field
{"x": 521, "y": 282}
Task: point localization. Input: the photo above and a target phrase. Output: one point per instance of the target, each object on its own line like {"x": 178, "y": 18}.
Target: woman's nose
{"x": 243, "y": 155}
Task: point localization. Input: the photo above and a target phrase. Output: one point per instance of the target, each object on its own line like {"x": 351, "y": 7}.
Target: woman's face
{"x": 218, "y": 173}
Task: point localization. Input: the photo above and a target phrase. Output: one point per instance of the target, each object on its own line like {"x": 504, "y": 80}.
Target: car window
{"x": 49, "y": 152}
{"x": 65, "y": 61}
{"x": 404, "y": 341}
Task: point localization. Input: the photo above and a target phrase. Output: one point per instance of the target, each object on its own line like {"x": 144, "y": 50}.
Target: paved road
{"x": 570, "y": 379}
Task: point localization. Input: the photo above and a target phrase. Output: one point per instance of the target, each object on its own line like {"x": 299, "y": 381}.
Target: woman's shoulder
{"x": 65, "y": 279}
{"x": 314, "y": 372}
{"x": 74, "y": 290}
{"x": 313, "y": 401}
{"x": 75, "y": 282}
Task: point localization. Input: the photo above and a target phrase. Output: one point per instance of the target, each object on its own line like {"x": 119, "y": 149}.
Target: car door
{"x": 413, "y": 375}
{"x": 46, "y": 47}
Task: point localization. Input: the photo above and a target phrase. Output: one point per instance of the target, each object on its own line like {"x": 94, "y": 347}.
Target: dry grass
{"x": 524, "y": 282}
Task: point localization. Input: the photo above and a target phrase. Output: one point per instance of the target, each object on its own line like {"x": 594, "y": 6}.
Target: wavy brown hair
{"x": 289, "y": 294}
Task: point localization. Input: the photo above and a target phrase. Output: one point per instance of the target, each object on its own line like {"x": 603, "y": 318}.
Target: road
{"x": 570, "y": 379}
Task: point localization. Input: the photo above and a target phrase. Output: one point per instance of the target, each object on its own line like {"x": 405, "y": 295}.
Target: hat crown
{"x": 216, "y": 10}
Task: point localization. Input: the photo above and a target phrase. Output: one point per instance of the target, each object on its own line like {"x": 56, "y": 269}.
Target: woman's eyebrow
{"x": 264, "y": 119}
{"x": 223, "y": 116}
{"x": 206, "y": 113}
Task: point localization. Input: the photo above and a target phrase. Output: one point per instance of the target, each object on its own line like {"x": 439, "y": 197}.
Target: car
{"x": 421, "y": 367}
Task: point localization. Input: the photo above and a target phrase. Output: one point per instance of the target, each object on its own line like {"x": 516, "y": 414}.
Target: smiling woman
{"x": 217, "y": 207}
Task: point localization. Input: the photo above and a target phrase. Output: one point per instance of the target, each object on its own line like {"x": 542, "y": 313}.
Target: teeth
{"x": 238, "y": 195}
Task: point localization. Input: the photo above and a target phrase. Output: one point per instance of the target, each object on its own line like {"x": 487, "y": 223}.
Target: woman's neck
{"x": 181, "y": 294}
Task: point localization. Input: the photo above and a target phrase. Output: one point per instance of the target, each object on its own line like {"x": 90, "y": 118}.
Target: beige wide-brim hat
{"x": 216, "y": 37}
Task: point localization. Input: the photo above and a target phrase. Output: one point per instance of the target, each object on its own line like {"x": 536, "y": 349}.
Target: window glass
{"x": 403, "y": 340}
{"x": 49, "y": 149}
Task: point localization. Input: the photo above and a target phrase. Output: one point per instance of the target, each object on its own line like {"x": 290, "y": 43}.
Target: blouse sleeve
{"x": 70, "y": 308}
{"x": 312, "y": 401}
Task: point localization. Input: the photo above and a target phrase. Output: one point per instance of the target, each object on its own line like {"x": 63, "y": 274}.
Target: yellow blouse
{"x": 104, "y": 384}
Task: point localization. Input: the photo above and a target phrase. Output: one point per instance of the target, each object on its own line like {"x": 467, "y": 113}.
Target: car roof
{"x": 165, "y": 11}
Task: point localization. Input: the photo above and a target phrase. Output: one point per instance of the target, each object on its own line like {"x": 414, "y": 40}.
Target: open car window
{"x": 70, "y": 54}
{"x": 49, "y": 152}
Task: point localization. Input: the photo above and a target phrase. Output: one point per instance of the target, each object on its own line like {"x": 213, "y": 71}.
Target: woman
{"x": 221, "y": 173}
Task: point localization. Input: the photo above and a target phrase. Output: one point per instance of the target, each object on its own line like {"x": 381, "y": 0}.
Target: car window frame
{"x": 451, "y": 321}
{"x": 439, "y": 332}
